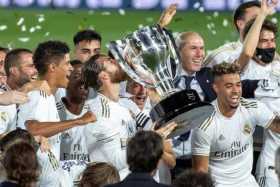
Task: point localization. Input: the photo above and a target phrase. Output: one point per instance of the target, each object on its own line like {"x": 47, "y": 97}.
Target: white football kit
{"x": 42, "y": 107}
{"x": 106, "y": 139}
{"x": 265, "y": 172}
{"x": 73, "y": 144}
{"x": 228, "y": 142}
{"x": 8, "y": 114}
{"x": 228, "y": 52}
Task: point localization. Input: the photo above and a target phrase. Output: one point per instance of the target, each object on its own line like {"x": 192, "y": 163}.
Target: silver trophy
{"x": 149, "y": 56}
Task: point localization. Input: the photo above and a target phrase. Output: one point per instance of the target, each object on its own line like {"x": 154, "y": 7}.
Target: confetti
{"x": 24, "y": 39}
{"x": 106, "y": 13}
{"x": 216, "y": 14}
{"x": 20, "y": 21}
{"x": 225, "y": 23}
{"x": 38, "y": 27}
{"x": 214, "y": 32}
{"x": 201, "y": 9}
{"x": 41, "y": 19}
{"x": 3, "y": 27}
{"x": 32, "y": 29}
{"x": 121, "y": 12}
{"x": 196, "y": 5}
{"x": 47, "y": 34}
{"x": 274, "y": 20}
{"x": 23, "y": 28}
{"x": 140, "y": 26}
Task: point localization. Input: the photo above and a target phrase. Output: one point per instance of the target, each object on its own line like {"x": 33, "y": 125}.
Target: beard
{"x": 118, "y": 76}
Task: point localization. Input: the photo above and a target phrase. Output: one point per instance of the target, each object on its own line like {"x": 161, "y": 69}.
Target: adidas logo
{"x": 221, "y": 137}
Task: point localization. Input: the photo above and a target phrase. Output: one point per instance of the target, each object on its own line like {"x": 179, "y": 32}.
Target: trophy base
{"x": 183, "y": 107}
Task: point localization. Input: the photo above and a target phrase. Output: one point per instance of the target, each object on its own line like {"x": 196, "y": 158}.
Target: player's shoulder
{"x": 37, "y": 94}
{"x": 208, "y": 124}
{"x": 100, "y": 105}
{"x": 249, "y": 103}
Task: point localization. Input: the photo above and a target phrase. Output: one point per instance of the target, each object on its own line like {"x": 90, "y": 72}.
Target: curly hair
{"x": 21, "y": 164}
{"x": 225, "y": 68}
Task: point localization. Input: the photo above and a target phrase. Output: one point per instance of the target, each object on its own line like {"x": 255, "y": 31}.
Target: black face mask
{"x": 265, "y": 55}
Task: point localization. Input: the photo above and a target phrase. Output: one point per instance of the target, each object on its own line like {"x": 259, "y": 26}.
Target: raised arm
{"x": 48, "y": 129}
{"x": 252, "y": 37}
{"x": 167, "y": 16}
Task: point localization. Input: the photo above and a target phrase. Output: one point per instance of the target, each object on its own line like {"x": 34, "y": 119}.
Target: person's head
{"x": 277, "y": 163}
{"x": 244, "y": 13}
{"x": 138, "y": 92}
{"x": 190, "y": 178}
{"x": 76, "y": 90}
{"x": 101, "y": 70}
{"x": 15, "y": 136}
{"x": 21, "y": 164}
{"x": 99, "y": 174}
{"x": 87, "y": 44}
{"x": 19, "y": 66}
{"x": 51, "y": 59}
{"x": 144, "y": 151}
{"x": 192, "y": 52}
{"x": 266, "y": 47}
{"x": 227, "y": 84}
{"x": 3, "y": 53}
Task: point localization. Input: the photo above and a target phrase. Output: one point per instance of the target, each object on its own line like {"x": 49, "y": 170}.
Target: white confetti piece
{"x": 216, "y": 14}
{"x": 32, "y": 29}
{"x": 274, "y": 20}
{"x": 106, "y": 13}
{"x": 38, "y": 27}
{"x": 23, "y": 28}
{"x": 214, "y": 32}
{"x": 47, "y": 34}
{"x": 24, "y": 39}
{"x": 225, "y": 23}
{"x": 20, "y": 21}
{"x": 3, "y": 27}
{"x": 140, "y": 26}
{"x": 121, "y": 12}
{"x": 201, "y": 9}
{"x": 196, "y": 5}
{"x": 41, "y": 19}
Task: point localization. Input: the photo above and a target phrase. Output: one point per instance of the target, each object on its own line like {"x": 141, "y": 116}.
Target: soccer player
{"x": 222, "y": 144}
{"x": 73, "y": 106}
{"x": 229, "y": 52}
{"x": 87, "y": 44}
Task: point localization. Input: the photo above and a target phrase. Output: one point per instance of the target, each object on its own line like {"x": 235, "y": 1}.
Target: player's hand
{"x": 166, "y": 130}
{"x": 153, "y": 95}
{"x": 88, "y": 117}
{"x": 268, "y": 6}
{"x": 44, "y": 143}
{"x": 13, "y": 97}
{"x": 167, "y": 15}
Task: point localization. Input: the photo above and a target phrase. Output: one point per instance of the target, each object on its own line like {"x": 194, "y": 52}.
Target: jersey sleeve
{"x": 200, "y": 142}
{"x": 263, "y": 115}
{"x": 34, "y": 109}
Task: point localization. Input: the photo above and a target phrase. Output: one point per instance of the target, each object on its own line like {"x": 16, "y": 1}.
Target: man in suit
{"x": 144, "y": 152}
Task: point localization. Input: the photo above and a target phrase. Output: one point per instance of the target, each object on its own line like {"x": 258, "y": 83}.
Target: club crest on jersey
{"x": 247, "y": 129}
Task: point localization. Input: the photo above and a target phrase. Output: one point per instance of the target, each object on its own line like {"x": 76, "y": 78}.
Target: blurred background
{"x": 25, "y": 23}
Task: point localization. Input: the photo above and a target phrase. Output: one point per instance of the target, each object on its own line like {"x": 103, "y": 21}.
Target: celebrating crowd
{"x": 83, "y": 121}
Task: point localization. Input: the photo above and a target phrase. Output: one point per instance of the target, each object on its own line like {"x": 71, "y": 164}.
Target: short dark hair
{"x": 99, "y": 174}
{"x": 190, "y": 178}
{"x": 91, "y": 71}
{"x": 241, "y": 10}
{"x": 21, "y": 164}
{"x": 49, "y": 52}
{"x": 15, "y": 136}
{"x": 75, "y": 62}
{"x": 87, "y": 35}
{"x": 4, "y": 49}
{"x": 144, "y": 151}
{"x": 225, "y": 68}
{"x": 12, "y": 58}
{"x": 267, "y": 25}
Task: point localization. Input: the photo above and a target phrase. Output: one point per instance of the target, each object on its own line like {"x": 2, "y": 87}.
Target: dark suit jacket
{"x": 138, "y": 180}
{"x": 205, "y": 79}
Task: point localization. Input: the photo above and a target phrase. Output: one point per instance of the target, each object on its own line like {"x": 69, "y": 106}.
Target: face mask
{"x": 265, "y": 55}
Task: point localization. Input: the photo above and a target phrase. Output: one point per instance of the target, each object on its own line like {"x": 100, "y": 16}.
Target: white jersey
{"x": 73, "y": 142}
{"x": 265, "y": 172}
{"x": 8, "y": 115}
{"x": 106, "y": 139}
{"x": 228, "y": 142}
{"x": 255, "y": 71}
{"x": 42, "y": 108}
{"x": 228, "y": 52}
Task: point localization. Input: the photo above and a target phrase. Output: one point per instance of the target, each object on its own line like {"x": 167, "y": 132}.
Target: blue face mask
{"x": 265, "y": 55}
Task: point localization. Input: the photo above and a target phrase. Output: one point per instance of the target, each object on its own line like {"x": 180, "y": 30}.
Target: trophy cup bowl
{"x": 149, "y": 57}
